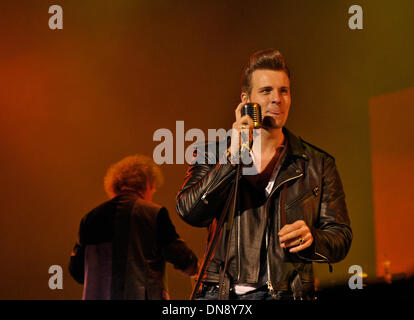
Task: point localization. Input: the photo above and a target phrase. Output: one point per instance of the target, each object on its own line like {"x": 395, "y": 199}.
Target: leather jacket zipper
{"x": 274, "y": 190}
{"x": 313, "y": 192}
{"x": 205, "y": 194}
{"x": 269, "y": 281}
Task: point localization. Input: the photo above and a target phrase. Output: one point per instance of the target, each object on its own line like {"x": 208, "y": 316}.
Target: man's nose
{"x": 276, "y": 98}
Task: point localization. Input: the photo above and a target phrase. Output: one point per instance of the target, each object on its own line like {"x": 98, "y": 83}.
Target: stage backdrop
{"x": 75, "y": 100}
{"x": 392, "y": 152}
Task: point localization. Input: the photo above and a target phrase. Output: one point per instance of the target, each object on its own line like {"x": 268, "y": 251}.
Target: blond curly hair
{"x": 134, "y": 172}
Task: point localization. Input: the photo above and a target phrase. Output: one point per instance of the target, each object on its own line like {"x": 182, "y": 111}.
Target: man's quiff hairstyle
{"x": 133, "y": 173}
{"x": 268, "y": 59}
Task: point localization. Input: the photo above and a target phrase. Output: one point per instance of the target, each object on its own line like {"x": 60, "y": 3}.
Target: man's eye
{"x": 284, "y": 90}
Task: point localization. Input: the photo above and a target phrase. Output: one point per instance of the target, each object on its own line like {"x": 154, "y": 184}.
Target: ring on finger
{"x": 243, "y": 126}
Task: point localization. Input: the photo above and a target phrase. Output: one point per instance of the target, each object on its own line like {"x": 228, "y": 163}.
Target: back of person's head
{"x": 268, "y": 59}
{"x": 134, "y": 173}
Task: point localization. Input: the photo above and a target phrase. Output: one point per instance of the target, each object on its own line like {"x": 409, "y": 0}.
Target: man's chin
{"x": 271, "y": 123}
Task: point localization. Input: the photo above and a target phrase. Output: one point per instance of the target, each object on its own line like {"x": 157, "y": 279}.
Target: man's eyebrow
{"x": 271, "y": 88}
{"x": 266, "y": 87}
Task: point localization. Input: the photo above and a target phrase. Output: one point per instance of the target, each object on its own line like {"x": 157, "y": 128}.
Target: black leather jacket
{"x": 122, "y": 248}
{"x": 308, "y": 187}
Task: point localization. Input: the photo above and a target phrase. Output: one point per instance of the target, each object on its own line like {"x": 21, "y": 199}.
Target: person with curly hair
{"x": 124, "y": 243}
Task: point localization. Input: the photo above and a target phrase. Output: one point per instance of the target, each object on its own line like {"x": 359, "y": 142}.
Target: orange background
{"x": 392, "y": 152}
{"x": 73, "y": 101}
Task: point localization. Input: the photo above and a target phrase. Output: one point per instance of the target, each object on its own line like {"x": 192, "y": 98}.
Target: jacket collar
{"x": 290, "y": 169}
{"x": 295, "y": 147}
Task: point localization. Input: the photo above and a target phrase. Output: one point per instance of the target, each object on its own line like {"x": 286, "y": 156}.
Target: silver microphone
{"x": 255, "y": 112}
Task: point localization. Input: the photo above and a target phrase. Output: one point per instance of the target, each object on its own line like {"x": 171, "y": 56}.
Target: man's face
{"x": 271, "y": 90}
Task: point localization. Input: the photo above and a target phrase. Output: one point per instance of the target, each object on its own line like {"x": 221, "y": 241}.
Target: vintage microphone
{"x": 255, "y": 112}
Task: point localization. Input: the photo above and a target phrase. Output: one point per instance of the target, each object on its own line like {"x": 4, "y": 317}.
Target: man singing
{"x": 291, "y": 213}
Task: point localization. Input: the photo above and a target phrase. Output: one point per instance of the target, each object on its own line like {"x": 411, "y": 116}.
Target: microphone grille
{"x": 255, "y": 112}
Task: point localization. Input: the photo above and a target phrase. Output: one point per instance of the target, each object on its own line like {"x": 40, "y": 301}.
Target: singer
{"x": 288, "y": 215}
{"x": 123, "y": 244}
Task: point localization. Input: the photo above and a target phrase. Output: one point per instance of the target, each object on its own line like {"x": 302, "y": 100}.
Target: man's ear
{"x": 244, "y": 97}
